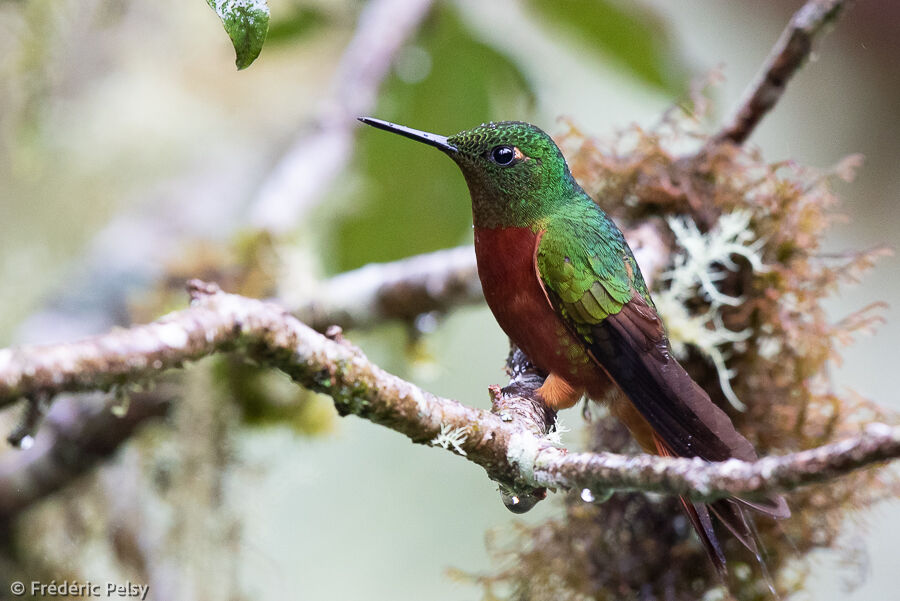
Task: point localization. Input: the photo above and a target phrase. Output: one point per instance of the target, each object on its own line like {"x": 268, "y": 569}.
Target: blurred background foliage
{"x": 441, "y": 80}
{"x": 119, "y": 113}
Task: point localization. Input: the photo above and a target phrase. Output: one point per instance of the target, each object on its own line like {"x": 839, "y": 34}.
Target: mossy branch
{"x": 509, "y": 443}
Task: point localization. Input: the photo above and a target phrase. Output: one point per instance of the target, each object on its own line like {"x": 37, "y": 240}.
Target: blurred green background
{"x": 116, "y": 112}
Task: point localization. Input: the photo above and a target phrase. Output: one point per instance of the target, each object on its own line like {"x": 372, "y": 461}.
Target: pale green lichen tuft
{"x": 704, "y": 260}
{"x": 554, "y": 436}
{"x": 450, "y": 438}
{"x": 704, "y": 255}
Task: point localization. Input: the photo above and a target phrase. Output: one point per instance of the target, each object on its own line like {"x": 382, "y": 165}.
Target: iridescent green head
{"x": 516, "y": 174}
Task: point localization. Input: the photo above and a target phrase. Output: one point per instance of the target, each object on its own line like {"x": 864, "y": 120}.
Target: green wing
{"x": 589, "y": 287}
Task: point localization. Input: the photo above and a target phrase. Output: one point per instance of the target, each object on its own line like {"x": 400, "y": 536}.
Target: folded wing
{"x": 604, "y": 301}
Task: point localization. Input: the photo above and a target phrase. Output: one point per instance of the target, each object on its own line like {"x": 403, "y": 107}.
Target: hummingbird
{"x": 564, "y": 285}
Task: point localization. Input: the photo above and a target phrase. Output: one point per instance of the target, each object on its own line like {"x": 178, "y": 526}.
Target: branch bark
{"x": 787, "y": 56}
{"x": 362, "y": 298}
{"x": 509, "y": 443}
{"x": 400, "y": 290}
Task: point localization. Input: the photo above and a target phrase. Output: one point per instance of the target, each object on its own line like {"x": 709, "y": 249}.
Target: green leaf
{"x": 246, "y": 22}
{"x": 622, "y": 32}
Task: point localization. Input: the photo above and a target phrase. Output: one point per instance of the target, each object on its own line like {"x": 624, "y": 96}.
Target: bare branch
{"x": 433, "y": 282}
{"x": 701, "y": 480}
{"x": 508, "y": 444}
{"x": 405, "y": 289}
{"x": 789, "y": 53}
{"x": 220, "y": 322}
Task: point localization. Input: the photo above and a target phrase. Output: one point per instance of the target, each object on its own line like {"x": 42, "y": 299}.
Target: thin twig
{"x": 706, "y": 481}
{"x": 505, "y": 446}
{"x": 35, "y": 407}
{"x": 789, "y": 53}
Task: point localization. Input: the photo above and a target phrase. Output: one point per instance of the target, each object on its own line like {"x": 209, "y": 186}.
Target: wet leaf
{"x": 246, "y": 22}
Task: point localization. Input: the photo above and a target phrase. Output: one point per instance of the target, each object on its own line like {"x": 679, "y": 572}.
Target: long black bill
{"x": 439, "y": 142}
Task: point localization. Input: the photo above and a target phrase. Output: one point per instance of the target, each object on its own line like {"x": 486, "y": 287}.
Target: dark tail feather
{"x": 773, "y": 506}
{"x": 677, "y": 409}
{"x": 698, "y": 514}
{"x": 729, "y": 513}
{"x": 632, "y": 348}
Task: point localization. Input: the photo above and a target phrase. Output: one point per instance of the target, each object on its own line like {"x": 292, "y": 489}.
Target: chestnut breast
{"x": 508, "y": 271}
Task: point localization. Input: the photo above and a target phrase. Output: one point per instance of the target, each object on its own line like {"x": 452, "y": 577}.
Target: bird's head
{"x": 516, "y": 174}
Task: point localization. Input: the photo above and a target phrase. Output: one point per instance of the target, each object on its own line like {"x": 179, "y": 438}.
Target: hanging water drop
{"x": 594, "y": 496}
{"x": 518, "y": 503}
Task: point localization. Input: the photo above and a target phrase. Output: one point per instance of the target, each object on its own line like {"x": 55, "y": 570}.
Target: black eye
{"x": 503, "y": 155}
